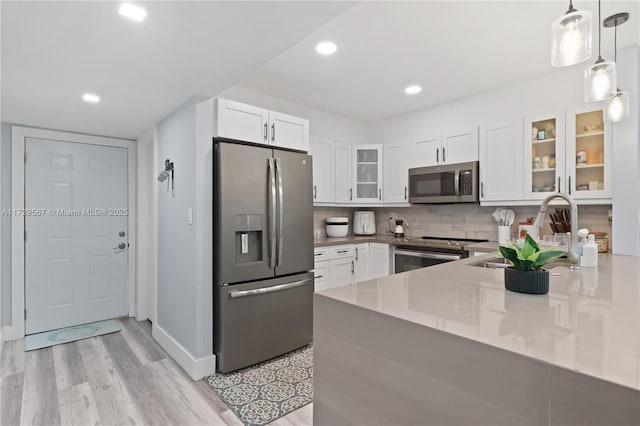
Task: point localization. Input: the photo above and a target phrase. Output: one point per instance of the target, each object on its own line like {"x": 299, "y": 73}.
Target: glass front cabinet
{"x": 589, "y": 154}
{"x": 367, "y": 174}
{"x": 572, "y": 156}
{"x": 544, "y": 155}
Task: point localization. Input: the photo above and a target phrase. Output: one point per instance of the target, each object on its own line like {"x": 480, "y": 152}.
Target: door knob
{"x": 121, "y": 246}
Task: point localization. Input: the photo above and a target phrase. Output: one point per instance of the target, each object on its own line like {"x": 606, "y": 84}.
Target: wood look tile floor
{"x": 123, "y": 378}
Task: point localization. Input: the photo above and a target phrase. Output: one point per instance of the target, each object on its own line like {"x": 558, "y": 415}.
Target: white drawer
{"x": 341, "y": 252}
{"x": 320, "y": 254}
{"x": 321, "y": 276}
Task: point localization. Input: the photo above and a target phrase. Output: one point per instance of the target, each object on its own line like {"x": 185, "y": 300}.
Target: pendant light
{"x": 600, "y": 78}
{"x": 571, "y": 37}
{"x": 616, "y": 108}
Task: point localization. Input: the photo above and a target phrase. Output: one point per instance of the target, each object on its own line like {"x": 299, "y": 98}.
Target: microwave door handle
{"x": 456, "y": 182}
{"x": 272, "y": 213}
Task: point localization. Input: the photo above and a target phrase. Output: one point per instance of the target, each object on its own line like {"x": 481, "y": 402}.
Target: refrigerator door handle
{"x": 254, "y": 292}
{"x": 272, "y": 213}
{"x": 280, "y": 211}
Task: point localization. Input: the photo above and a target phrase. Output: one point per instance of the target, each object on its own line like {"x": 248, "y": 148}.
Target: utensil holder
{"x": 504, "y": 234}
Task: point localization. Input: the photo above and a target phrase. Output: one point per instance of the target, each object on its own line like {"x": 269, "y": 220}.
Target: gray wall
{"x": 176, "y": 291}
{"x": 5, "y": 224}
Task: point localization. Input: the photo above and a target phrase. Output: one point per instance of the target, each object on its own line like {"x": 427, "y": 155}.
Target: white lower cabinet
{"x": 378, "y": 260}
{"x": 341, "y": 271}
{"x": 361, "y": 262}
{"x": 340, "y": 265}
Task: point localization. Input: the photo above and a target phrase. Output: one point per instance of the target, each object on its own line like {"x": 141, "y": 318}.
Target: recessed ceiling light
{"x": 326, "y": 48}
{"x": 91, "y": 98}
{"x": 134, "y": 12}
{"x": 412, "y": 90}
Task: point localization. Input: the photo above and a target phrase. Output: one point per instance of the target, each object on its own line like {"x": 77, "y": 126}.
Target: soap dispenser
{"x": 590, "y": 253}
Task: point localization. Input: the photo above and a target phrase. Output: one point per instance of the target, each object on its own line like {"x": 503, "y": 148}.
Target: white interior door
{"x": 76, "y": 234}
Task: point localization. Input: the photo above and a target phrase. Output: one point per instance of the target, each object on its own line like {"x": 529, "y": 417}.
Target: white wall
{"x": 561, "y": 89}
{"x": 176, "y": 238}
{"x": 184, "y": 295}
{"x": 5, "y": 224}
{"x": 322, "y": 124}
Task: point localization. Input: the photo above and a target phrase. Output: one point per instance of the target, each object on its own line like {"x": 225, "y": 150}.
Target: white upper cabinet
{"x": 396, "y": 173}
{"x": 322, "y": 151}
{"x": 367, "y": 179}
{"x": 457, "y": 146}
{"x": 501, "y": 162}
{"x": 287, "y": 131}
{"x": 343, "y": 172}
{"x": 460, "y": 146}
{"x": 426, "y": 152}
{"x": 589, "y": 154}
{"x": 544, "y": 155}
{"x": 235, "y": 120}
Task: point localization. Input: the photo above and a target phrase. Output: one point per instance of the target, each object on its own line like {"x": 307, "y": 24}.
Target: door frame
{"x": 18, "y": 140}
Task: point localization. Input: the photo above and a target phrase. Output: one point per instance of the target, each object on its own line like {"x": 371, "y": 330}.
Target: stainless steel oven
{"x": 410, "y": 258}
{"x": 451, "y": 183}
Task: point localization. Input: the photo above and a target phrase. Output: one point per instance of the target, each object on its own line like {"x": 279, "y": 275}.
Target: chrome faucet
{"x": 573, "y": 253}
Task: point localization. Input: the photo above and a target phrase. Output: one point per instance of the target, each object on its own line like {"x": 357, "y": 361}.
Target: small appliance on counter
{"x": 396, "y": 227}
{"x": 364, "y": 223}
{"x": 337, "y": 227}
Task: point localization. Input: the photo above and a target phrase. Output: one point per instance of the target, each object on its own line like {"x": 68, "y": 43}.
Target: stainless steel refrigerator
{"x": 263, "y": 253}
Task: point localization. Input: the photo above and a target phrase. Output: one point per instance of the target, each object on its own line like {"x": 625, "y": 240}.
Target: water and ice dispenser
{"x": 249, "y": 230}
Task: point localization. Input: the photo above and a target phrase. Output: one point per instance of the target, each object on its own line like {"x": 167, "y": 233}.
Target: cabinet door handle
{"x": 352, "y": 267}
{"x": 343, "y": 251}
{"x": 437, "y": 155}
{"x": 482, "y": 189}
{"x": 315, "y": 192}
{"x": 405, "y": 192}
{"x": 273, "y": 132}
{"x": 569, "y": 184}
{"x": 380, "y": 194}
{"x": 356, "y": 253}
{"x": 558, "y": 183}
{"x": 319, "y": 276}
{"x": 443, "y": 155}
{"x": 266, "y": 131}
{"x": 350, "y": 194}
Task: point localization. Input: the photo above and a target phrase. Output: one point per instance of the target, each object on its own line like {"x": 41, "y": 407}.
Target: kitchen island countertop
{"x": 588, "y": 323}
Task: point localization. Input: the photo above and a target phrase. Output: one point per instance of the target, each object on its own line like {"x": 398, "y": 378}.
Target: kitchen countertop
{"x": 589, "y": 322}
{"x": 385, "y": 239}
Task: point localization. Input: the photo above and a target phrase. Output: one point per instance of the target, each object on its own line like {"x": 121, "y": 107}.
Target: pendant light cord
{"x": 599, "y": 31}
{"x": 615, "y": 43}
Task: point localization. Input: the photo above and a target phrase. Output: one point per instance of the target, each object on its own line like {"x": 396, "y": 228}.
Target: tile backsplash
{"x": 460, "y": 220}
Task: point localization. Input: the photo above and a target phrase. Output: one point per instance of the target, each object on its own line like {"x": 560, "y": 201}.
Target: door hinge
{"x": 25, "y": 235}
{"x": 25, "y": 158}
{"x": 25, "y": 313}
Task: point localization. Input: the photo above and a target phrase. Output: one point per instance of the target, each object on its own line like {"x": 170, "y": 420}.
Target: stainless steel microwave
{"x": 450, "y": 183}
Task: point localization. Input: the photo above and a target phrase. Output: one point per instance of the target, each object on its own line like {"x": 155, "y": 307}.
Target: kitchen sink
{"x": 501, "y": 262}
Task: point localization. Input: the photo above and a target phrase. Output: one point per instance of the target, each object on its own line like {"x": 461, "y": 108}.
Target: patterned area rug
{"x": 69, "y": 334}
{"x": 264, "y": 392}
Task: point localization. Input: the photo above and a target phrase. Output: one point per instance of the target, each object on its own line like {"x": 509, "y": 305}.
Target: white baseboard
{"x": 195, "y": 368}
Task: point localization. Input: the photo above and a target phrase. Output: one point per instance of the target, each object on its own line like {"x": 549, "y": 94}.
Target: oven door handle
{"x": 429, "y": 255}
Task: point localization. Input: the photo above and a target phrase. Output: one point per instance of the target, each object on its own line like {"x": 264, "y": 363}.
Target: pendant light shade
{"x": 571, "y": 38}
{"x": 617, "y": 107}
{"x": 600, "y": 81}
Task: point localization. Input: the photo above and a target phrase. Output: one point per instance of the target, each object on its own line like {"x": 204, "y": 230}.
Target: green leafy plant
{"x": 528, "y": 256}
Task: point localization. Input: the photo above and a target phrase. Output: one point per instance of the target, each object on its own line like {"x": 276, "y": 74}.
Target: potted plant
{"x": 526, "y": 275}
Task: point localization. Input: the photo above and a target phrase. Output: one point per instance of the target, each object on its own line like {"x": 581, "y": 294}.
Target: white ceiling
{"x": 453, "y": 49}
{"x": 53, "y": 52}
